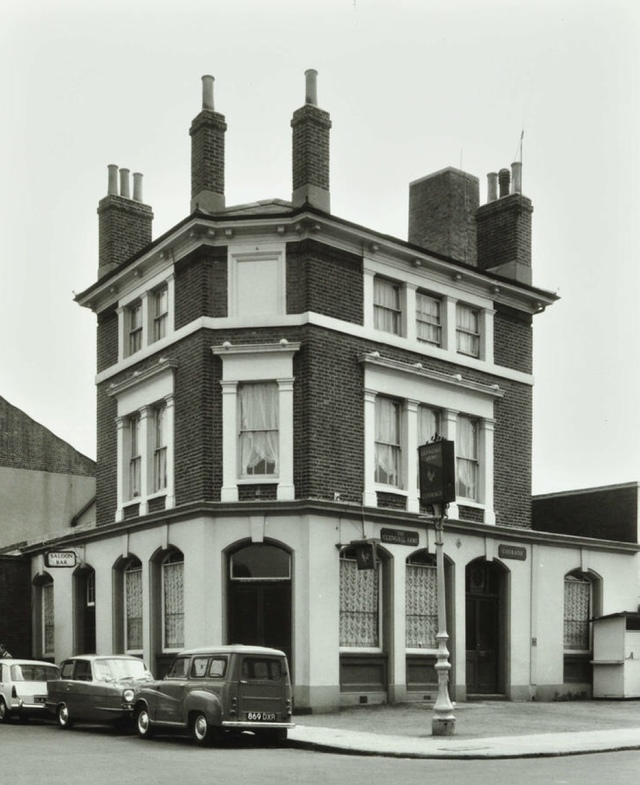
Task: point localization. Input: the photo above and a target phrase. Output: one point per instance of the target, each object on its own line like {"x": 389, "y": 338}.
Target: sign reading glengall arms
{"x": 399, "y": 536}
{"x": 60, "y": 559}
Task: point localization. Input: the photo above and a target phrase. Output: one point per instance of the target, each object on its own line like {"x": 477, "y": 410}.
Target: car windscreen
{"x": 261, "y": 669}
{"x": 26, "y": 672}
{"x": 114, "y": 669}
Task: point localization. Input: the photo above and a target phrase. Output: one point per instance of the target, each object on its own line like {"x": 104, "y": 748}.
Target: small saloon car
{"x": 23, "y": 688}
{"x": 212, "y": 692}
{"x": 96, "y": 688}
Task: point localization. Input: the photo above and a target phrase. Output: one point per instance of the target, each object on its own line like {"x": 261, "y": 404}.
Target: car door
{"x": 80, "y": 692}
{"x": 171, "y": 692}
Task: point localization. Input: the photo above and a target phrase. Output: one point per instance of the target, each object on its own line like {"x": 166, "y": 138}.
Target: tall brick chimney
{"x": 442, "y": 209}
{"x": 207, "y": 154}
{"x": 504, "y": 227}
{"x": 310, "y": 150}
{"x": 124, "y": 223}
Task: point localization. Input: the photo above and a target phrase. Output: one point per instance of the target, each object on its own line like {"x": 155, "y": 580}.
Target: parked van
{"x": 209, "y": 692}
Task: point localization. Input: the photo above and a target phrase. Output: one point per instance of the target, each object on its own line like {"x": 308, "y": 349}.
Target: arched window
{"x": 421, "y": 601}
{"x": 360, "y": 599}
{"x": 580, "y": 601}
{"x": 173, "y": 600}
{"x": 132, "y": 575}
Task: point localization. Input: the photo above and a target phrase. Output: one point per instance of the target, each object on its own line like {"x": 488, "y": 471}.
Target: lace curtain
{"x": 133, "y": 607}
{"x": 387, "y": 441}
{"x": 359, "y": 602}
{"x": 421, "y": 607}
{"x": 173, "y": 580}
{"x": 48, "y": 618}
{"x": 258, "y": 429}
{"x": 467, "y": 457}
{"x": 577, "y": 595}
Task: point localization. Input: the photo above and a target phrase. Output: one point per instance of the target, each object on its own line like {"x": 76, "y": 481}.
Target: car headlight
{"x": 128, "y": 695}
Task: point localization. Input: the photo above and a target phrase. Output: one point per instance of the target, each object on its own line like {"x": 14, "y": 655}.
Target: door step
{"x": 486, "y": 696}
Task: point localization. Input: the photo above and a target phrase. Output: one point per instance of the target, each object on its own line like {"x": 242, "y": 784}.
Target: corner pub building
{"x": 265, "y": 375}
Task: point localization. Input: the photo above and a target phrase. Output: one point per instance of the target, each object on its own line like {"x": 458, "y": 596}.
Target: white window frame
{"x": 172, "y": 558}
{"x": 134, "y": 328}
{"x": 145, "y": 299}
{"x": 159, "y": 313}
{"x": 470, "y": 461}
{"x": 264, "y": 252}
{"x": 395, "y": 446}
{"x": 432, "y": 323}
{"x": 449, "y": 395}
{"x": 465, "y": 333}
{"x": 383, "y": 310}
{"x": 243, "y": 431}
{"x": 379, "y": 568}
{"x": 139, "y": 396}
{"x": 257, "y": 363}
{"x": 159, "y": 447}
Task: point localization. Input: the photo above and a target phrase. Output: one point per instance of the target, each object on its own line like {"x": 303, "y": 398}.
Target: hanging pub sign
{"x": 60, "y": 559}
{"x": 365, "y": 554}
{"x": 437, "y": 472}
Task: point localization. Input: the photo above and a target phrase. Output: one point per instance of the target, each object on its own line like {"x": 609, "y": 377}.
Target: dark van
{"x": 213, "y": 691}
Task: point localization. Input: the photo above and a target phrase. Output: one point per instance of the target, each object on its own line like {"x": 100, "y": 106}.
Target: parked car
{"x": 96, "y": 689}
{"x": 210, "y": 692}
{"x": 23, "y": 688}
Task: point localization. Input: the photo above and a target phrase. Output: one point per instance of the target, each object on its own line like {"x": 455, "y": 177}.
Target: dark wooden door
{"x": 260, "y": 613}
{"x": 483, "y": 636}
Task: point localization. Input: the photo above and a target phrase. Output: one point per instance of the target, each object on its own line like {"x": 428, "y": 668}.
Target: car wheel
{"x": 143, "y": 724}
{"x": 64, "y": 721}
{"x": 202, "y": 732}
{"x": 4, "y": 712}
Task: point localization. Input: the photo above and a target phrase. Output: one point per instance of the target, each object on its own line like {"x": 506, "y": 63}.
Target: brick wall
{"x": 15, "y": 605}
{"x": 324, "y": 280}
{"x": 25, "y": 444}
{"x": 107, "y": 339}
{"x": 513, "y": 339}
{"x": 201, "y": 285}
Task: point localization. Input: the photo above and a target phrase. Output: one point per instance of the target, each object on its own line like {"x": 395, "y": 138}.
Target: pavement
{"x": 482, "y": 729}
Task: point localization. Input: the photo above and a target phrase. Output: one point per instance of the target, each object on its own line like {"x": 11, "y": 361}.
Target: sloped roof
{"x": 26, "y": 444}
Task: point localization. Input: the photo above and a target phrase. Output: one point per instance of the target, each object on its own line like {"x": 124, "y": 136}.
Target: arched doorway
{"x": 485, "y": 643}
{"x": 85, "y": 610}
{"x": 259, "y": 597}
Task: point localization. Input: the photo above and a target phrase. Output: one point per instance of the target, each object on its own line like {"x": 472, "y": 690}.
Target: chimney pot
{"x": 207, "y": 92}
{"x": 112, "y": 188}
{"x": 311, "y": 91}
{"x": 516, "y": 172}
{"x": 492, "y": 186}
{"x": 124, "y": 184}
{"x": 137, "y": 187}
{"x": 504, "y": 178}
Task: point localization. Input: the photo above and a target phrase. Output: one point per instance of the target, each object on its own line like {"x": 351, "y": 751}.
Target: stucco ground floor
{"x": 519, "y": 603}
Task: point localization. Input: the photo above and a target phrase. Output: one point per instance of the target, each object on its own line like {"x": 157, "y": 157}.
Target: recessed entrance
{"x": 484, "y": 628}
{"x": 259, "y": 597}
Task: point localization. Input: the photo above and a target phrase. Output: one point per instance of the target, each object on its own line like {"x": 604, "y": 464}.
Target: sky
{"x": 412, "y": 86}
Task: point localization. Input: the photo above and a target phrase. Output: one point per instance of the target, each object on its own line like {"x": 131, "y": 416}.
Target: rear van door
{"x": 263, "y": 689}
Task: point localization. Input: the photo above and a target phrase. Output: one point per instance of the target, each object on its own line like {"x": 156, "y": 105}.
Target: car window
{"x": 218, "y": 667}
{"x": 66, "y": 672}
{"x": 261, "y": 669}
{"x": 27, "y": 672}
{"x": 199, "y": 667}
{"x": 179, "y": 669}
{"x": 82, "y": 671}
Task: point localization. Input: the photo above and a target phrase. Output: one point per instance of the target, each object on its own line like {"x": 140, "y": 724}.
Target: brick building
{"x": 265, "y": 375}
{"x": 46, "y": 487}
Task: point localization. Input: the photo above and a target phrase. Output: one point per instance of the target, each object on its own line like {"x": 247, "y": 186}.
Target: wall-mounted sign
{"x": 399, "y": 536}
{"x": 60, "y": 559}
{"x": 512, "y": 552}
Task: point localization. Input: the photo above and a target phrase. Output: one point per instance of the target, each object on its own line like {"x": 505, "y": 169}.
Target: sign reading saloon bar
{"x": 399, "y": 537}
{"x": 512, "y": 552}
{"x": 60, "y": 559}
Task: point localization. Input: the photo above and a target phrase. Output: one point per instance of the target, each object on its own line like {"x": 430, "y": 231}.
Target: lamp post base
{"x": 440, "y": 727}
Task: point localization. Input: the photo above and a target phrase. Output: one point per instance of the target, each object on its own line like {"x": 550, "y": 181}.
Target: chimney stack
{"x": 310, "y": 150}
{"x": 207, "y": 154}
{"x": 504, "y": 227}
{"x": 124, "y": 223}
{"x": 442, "y": 209}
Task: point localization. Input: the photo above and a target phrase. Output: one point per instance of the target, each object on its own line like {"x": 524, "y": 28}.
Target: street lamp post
{"x": 436, "y": 460}
{"x": 443, "y": 723}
